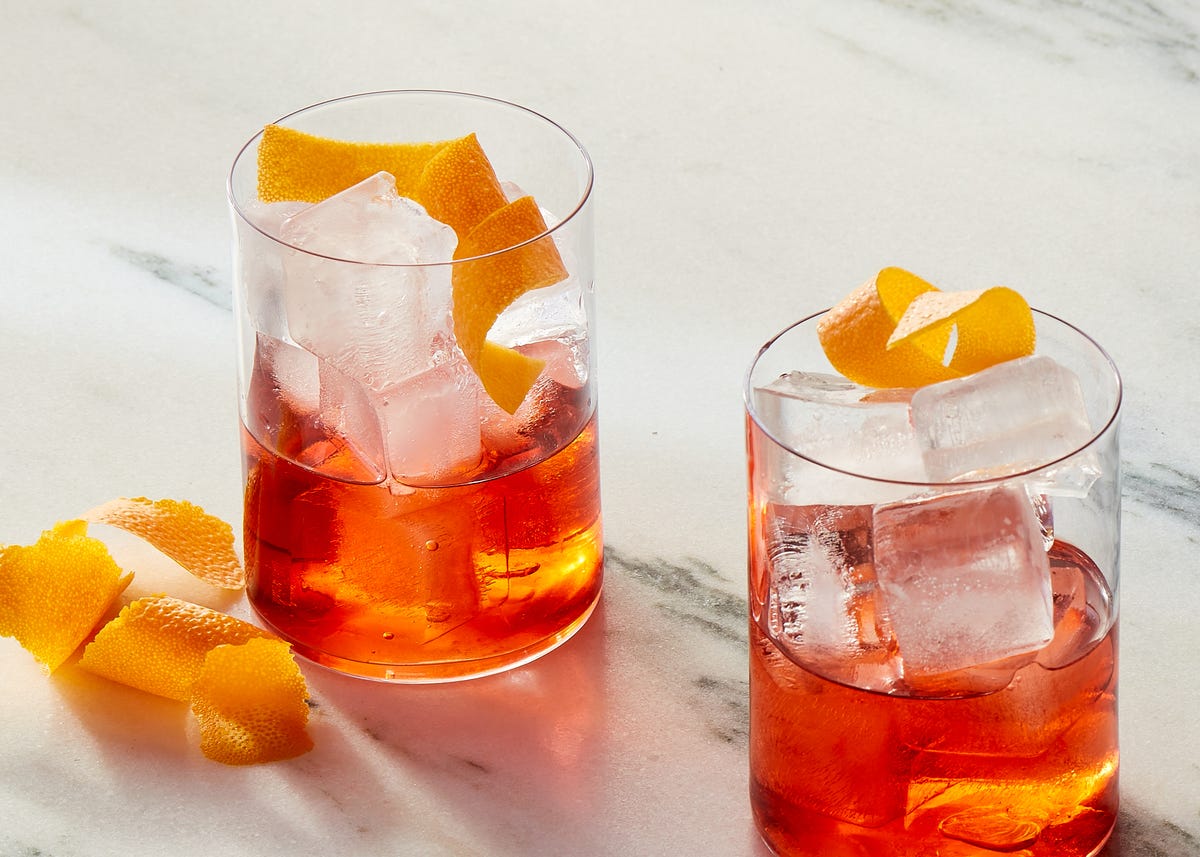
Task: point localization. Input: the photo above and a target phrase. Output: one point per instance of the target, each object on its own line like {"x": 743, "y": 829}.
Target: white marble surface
{"x": 755, "y": 161}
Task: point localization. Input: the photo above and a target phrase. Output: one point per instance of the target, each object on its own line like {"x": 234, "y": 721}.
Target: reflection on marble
{"x": 755, "y": 161}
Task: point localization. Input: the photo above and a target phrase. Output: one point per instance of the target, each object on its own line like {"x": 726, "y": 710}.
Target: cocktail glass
{"x": 933, "y": 659}
{"x": 399, "y": 523}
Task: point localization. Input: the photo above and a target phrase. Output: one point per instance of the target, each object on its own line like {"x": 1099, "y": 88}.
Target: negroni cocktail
{"x": 419, "y": 425}
{"x": 933, "y": 579}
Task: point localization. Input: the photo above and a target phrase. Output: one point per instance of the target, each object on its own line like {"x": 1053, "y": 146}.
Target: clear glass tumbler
{"x": 933, "y": 604}
{"x": 418, "y": 383}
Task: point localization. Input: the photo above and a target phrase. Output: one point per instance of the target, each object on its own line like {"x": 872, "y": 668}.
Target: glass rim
{"x": 582, "y": 202}
{"x": 752, "y": 413}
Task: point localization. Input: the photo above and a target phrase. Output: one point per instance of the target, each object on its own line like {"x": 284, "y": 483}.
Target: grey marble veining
{"x": 1165, "y": 488}
{"x": 1162, "y": 34}
{"x": 201, "y": 280}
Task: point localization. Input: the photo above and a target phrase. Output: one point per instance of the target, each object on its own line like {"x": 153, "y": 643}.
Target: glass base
{"x": 830, "y": 838}
{"x": 436, "y": 672}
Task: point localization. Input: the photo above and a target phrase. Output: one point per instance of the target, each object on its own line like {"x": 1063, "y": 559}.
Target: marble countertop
{"x": 755, "y": 161}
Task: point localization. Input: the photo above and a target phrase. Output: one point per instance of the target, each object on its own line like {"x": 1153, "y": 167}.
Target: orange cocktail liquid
{"x": 421, "y": 584}
{"x": 1030, "y": 770}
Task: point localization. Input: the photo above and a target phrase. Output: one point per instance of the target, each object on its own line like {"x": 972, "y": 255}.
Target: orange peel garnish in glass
{"x": 458, "y": 186}
{"x": 455, "y": 182}
{"x": 201, "y": 543}
{"x": 158, "y": 644}
{"x": 54, "y": 592}
{"x": 251, "y": 703}
{"x": 297, "y": 167}
{"x": 484, "y": 286}
{"x": 897, "y": 330}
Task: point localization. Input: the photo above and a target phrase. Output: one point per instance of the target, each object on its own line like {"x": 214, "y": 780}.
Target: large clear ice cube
{"x": 848, "y": 429}
{"x": 431, "y": 424}
{"x": 822, "y": 604}
{"x": 380, "y": 317}
{"x": 964, "y": 579}
{"x": 1007, "y": 418}
{"x": 843, "y": 425}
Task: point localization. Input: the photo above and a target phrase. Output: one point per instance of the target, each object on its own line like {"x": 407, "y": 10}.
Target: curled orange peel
{"x": 158, "y": 644}
{"x": 250, "y": 700}
{"x": 895, "y": 331}
{"x": 54, "y": 592}
{"x": 201, "y": 543}
{"x": 993, "y": 325}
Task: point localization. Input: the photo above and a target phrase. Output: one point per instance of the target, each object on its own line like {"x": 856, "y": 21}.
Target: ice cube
{"x": 1007, "y": 418}
{"x": 552, "y": 312}
{"x": 553, "y": 413}
{"x": 285, "y": 373}
{"x": 269, "y": 217}
{"x": 348, "y": 412}
{"x": 385, "y": 315}
{"x": 566, "y": 360}
{"x": 964, "y": 579}
{"x": 305, "y": 410}
{"x": 821, "y": 605}
{"x": 431, "y": 424}
{"x": 512, "y": 191}
{"x": 1081, "y": 602}
{"x": 372, "y": 224}
{"x": 843, "y": 425}
{"x": 261, "y": 264}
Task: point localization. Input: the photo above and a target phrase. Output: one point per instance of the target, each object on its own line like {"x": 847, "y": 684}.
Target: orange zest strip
{"x": 250, "y": 702}
{"x": 895, "y": 330}
{"x": 855, "y": 333}
{"x": 158, "y": 644}
{"x": 54, "y": 592}
{"x": 459, "y": 187}
{"x": 507, "y": 375}
{"x": 993, "y": 324}
{"x": 201, "y": 543}
{"x": 295, "y": 166}
{"x": 484, "y": 287}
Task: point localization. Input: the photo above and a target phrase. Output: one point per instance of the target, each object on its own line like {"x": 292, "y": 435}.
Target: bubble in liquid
{"x": 432, "y": 545}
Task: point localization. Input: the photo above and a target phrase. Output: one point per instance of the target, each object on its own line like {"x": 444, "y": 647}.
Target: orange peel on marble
{"x": 198, "y": 541}
{"x": 54, "y": 592}
{"x": 158, "y": 644}
{"x": 897, "y": 330}
{"x": 251, "y": 703}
